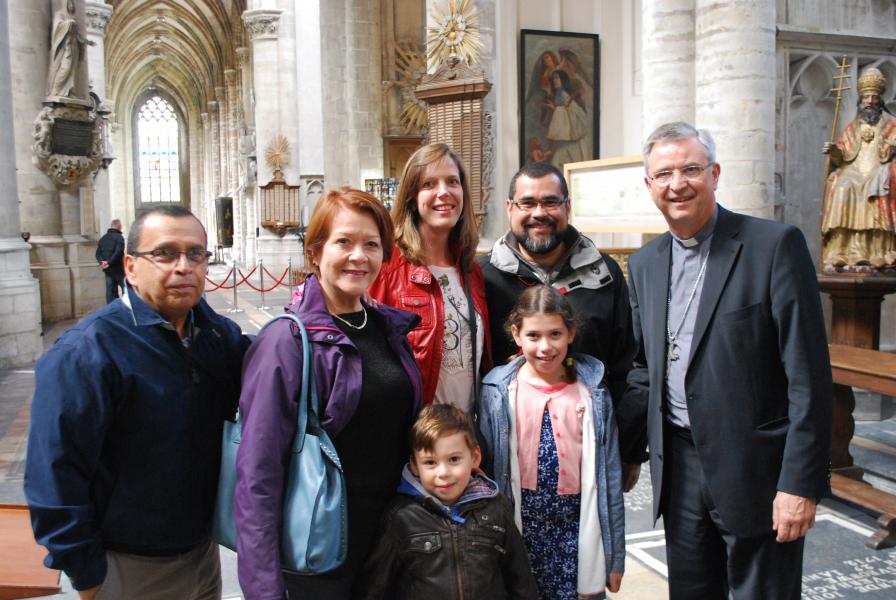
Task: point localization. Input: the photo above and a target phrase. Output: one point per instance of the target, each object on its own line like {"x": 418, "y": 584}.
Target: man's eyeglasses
{"x": 167, "y": 256}
{"x": 548, "y": 204}
{"x": 689, "y": 172}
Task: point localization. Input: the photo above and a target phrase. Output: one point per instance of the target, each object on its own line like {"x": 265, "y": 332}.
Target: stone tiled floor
{"x": 837, "y": 564}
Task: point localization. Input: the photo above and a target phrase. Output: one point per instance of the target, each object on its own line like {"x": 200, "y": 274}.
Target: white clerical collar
{"x": 704, "y": 232}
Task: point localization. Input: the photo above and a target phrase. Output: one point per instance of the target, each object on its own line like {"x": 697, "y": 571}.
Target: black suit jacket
{"x": 110, "y": 248}
{"x": 758, "y": 384}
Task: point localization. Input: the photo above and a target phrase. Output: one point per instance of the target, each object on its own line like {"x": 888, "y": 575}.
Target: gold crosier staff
{"x": 838, "y": 87}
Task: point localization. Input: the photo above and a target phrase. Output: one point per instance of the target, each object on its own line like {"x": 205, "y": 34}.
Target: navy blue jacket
{"x": 124, "y": 447}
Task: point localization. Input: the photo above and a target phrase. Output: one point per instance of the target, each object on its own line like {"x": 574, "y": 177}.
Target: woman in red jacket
{"x": 433, "y": 273}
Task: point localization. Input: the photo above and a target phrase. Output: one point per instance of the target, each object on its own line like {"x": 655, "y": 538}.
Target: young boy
{"x": 450, "y": 533}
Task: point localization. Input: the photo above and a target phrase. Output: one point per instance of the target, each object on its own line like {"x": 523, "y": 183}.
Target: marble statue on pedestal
{"x": 66, "y": 50}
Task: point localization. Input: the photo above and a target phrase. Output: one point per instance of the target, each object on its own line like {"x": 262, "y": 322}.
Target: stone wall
{"x": 812, "y": 38}
{"x": 618, "y": 25}
{"x": 352, "y": 91}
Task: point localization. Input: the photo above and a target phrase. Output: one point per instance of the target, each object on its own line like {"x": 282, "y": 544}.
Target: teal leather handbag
{"x": 314, "y": 533}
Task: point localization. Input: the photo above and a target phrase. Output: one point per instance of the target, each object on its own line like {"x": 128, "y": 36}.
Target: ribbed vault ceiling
{"x": 180, "y": 46}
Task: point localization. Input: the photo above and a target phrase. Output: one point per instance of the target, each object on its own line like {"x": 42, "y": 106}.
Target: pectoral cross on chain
{"x": 671, "y": 353}
{"x": 672, "y": 335}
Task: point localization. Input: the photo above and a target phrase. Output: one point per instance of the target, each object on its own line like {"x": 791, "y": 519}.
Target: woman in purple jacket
{"x": 365, "y": 375}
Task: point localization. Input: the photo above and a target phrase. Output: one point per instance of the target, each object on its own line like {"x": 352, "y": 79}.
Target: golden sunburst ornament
{"x": 411, "y": 69}
{"x": 277, "y": 153}
{"x": 456, "y": 32}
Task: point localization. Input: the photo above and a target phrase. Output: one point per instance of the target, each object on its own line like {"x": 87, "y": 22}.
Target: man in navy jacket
{"x": 124, "y": 448}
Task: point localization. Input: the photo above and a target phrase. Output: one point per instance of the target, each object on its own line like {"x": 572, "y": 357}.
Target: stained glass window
{"x": 159, "y": 151}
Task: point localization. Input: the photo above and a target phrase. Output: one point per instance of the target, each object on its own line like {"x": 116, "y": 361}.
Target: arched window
{"x": 158, "y": 151}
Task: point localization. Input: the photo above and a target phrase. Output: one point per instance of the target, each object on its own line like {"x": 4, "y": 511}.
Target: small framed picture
{"x": 559, "y": 97}
{"x": 609, "y": 196}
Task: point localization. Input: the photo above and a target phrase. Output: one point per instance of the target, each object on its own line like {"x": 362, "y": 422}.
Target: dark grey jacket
{"x": 758, "y": 384}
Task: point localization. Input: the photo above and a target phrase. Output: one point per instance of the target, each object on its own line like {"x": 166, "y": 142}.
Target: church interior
{"x": 248, "y": 111}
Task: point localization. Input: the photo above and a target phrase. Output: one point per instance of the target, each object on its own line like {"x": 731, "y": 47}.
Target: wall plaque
{"x": 72, "y": 138}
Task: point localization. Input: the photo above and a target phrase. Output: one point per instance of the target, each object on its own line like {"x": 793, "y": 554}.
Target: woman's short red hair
{"x": 346, "y": 198}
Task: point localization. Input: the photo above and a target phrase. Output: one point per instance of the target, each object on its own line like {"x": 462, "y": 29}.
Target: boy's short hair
{"x": 437, "y": 421}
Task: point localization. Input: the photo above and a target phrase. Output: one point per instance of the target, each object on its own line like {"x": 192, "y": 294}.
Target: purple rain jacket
{"x": 271, "y": 380}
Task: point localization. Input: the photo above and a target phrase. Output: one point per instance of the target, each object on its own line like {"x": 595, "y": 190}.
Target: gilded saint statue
{"x": 66, "y": 50}
{"x": 857, "y": 222}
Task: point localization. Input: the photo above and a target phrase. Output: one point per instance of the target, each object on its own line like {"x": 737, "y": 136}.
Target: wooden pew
{"x": 22, "y": 572}
{"x": 876, "y": 372}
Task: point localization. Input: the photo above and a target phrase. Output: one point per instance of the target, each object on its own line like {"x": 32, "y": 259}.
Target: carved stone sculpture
{"x": 66, "y": 51}
{"x": 62, "y": 167}
{"x": 857, "y": 224}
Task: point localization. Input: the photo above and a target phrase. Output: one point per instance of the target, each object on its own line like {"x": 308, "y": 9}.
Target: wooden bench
{"x": 22, "y": 572}
{"x": 876, "y": 372}
{"x": 870, "y": 370}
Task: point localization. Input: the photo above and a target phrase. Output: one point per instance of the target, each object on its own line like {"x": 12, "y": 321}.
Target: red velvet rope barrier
{"x": 246, "y": 277}
{"x": 221, "y": 285}
{"x": 272, "y": 277}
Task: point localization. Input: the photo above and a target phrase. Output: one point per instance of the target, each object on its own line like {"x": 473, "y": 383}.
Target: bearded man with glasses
{"x": 124, "y": 448}
{"x": 541, "y": 247}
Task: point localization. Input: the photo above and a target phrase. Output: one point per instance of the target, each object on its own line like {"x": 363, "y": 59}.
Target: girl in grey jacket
{"x": 567, "y": 494}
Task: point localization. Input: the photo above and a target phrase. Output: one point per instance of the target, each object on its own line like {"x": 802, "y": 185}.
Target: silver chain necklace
{"x": 352, "y": 325}
{"x": 671, "y": 346}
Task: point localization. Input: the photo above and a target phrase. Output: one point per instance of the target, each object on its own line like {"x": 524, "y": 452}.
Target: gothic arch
{"x": 183, "y": 146}
{"x": 185, "y": 50}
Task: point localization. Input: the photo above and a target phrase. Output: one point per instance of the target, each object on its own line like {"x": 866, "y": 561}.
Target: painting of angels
{"x": 559, "y": 83}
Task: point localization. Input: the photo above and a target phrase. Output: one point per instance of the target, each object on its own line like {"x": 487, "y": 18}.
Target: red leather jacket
{"x": 413, "y": 288}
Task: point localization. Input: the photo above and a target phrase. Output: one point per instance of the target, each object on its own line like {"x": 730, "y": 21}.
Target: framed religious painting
{"x": 559, "y": 97}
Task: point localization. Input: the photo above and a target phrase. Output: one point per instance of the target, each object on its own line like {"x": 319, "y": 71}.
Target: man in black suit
{"x": 735, "y": 378}
{"x": 110, "y": 256}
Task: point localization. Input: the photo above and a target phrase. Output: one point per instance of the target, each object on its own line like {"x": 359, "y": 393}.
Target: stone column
{"x": 233, "y": 98}
{"x": 215, "y": 186}
{"x": 353, "y": 144}
{"x": 98, "y": 15}
{"x": 247, "y": 187}
{"x": 207, "y": 178}
{"x": 222, "y": 138}
{"x": 29, "y": 49}
{"x": 667, "y": 38}
{"x": 735, "y": 97}
{"x": 233, "y": 185}
{"x": 263, "y": 27}
{"x": 273, "y": 100}
{"x": 19, "y": 291}
{"x": 244, "y": 61}
{"x": 310, "y": 80}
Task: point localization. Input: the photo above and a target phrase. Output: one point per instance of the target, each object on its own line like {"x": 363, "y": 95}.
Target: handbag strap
{"x": 307, "y": 414}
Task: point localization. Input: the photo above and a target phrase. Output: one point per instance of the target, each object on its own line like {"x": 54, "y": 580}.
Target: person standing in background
{"x": 110, "y": 256}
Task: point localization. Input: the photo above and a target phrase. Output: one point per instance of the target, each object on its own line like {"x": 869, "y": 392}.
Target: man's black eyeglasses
{"x": 548, "y": 204}
{"x": 167, "y": 256}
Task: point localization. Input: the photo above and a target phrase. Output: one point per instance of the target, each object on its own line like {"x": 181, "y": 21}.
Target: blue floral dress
{"x": 551, "y": 525}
